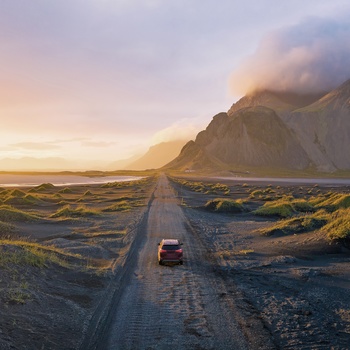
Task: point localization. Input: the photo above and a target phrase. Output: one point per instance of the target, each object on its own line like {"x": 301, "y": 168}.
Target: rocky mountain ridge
{"x": 275, "y": 130}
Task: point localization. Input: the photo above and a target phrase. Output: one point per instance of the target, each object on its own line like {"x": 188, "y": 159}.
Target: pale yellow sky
{"x": 95, "y": 81}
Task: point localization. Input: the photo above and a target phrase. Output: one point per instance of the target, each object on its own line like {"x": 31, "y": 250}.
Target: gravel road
{"x": 162, "y": 306}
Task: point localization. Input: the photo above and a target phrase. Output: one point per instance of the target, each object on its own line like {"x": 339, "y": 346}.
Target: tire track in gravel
{"x": 171, "y": 306}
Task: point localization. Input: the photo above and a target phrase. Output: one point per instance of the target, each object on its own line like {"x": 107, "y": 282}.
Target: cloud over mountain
{"x": 310, "y": 57}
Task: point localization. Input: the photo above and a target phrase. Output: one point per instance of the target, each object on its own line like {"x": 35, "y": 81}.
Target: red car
{"x": 169, "y": 250}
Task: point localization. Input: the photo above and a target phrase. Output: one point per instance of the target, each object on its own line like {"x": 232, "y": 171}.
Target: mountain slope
{"x": 276, "y": 130}
{"x": 254, "y": 136}
{"x": 280, "y": 102}
{"x": 323, "y": 129}
{"x": 157, "y": 156}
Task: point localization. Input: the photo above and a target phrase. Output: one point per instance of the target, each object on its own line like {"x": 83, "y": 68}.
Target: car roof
{"x": 171, "y": 241}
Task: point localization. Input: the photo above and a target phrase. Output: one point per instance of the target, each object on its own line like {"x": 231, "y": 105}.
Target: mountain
{"x": 157, "y": 156}
{"x": 122, "y": 163}
{"x": 323, "y": 129}
{"x": 275, "y": 130}
{"x": 280, "y": 102}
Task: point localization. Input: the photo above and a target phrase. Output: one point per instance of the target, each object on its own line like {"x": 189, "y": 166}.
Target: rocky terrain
{"x": 276, "y": 131}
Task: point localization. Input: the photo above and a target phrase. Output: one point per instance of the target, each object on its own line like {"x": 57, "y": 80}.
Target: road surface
{"x": 162, "y": 307}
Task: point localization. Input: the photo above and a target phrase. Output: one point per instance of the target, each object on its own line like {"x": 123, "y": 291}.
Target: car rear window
{"x": 171, "y": 247}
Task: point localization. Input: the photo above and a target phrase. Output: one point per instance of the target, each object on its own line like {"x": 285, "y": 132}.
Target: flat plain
{"x": 263, "y": 265}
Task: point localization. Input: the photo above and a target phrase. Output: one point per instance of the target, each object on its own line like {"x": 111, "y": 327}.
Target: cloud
{"x": 310, "y": 57}
{"x": 35, "y": 145}
{"x": 98, "y": 144}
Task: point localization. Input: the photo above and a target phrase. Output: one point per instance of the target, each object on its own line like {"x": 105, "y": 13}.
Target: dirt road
{"x": 162, "y": 306}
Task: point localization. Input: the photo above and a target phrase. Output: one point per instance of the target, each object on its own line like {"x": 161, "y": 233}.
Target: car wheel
{"x": 160, "y": 262}
{"x": 181, "y": 262}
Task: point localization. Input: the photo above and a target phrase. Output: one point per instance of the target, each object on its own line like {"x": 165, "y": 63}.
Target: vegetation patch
{"x": 124, "y": 184}
{"x": 207, "y": 188}
{"x": 223, "y": 205}
{"x": 44, "y": 187}
{"x": 11, "y": 214}
{"x": 339, "y": 226}
{"x": 120, "y": 206}
{"x": 285, "y": 207}
{"x": 22, "y": 253}
{"x": 305, "y": 223}
{"x": 68, "y": 211}
{"x": 65, "y": 190}
{"x": 331, "y": 201}
{"x": 6, "y": 228}
{"x": 17, "y": 193}
{"x": 276, "y": 208}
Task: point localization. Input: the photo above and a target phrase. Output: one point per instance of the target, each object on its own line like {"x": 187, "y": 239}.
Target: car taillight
{"x": 179, "y": 251}
{"x": 162, "y": 251}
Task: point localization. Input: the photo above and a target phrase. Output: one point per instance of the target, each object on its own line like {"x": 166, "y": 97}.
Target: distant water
{"x": 8, "y": 180}
{"x": 281, "y": 180}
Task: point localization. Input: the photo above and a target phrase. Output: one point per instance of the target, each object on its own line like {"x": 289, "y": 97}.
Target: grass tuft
{"x": 65, "y": 190}
{"x": 223, "y": 205}
{"x": 23, "y": 253}
{"x": 120, "y": 206}
{"x": 339, "y": 226}
{"x": 68, "y": 211}
{"x": 305, "y": 223}
{"x": 11, "y": 214}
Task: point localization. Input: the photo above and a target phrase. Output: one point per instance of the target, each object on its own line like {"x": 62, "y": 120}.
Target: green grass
{"x": 11, "y": 214}
{"x": 65, "y": 190}
{"x": 223, "y": 205}
{"x": 198, "y": 186}
{"x": 284, "y": 207}
{"x": 276, "y": 208}
{"x": 331, "y": 201}
{"x": 42, "y": 188}
{"x": 22, "y": 253}
{"x": 120, "y": 206}
{"x": 6, "y": 228}
{"x": 68, "y": 211}
{"x": 299, "y": 224}
{"x": 339, "y": 226}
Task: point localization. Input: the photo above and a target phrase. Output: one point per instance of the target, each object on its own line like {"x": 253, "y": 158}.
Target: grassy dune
{"x": 295, "y": 209}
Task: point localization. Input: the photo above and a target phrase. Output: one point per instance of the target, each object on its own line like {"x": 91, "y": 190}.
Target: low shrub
{"x": 120, "y": 206}
{"x": 44, "y": 187}
{"x": 302, "y": 206}
{"x": 276, "y": 208}
{"x": 224, "y": 205}
{"x": 68, "y": 211}
{"x": 298, "y": 224}
{"x": 339, "y": 226}
{"x": 6, "y": 228}
{"x": 11, "y": 214}
{"x": 65, "y": 190}
{"x": 331, "y": 201}
{"x": 25, "y": 253}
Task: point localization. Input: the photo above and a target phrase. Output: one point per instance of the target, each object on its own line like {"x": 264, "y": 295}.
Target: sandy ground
{"x": 297, "y": 285}
{"x": 51, "y": 307}
{"x": 280, "y": 292}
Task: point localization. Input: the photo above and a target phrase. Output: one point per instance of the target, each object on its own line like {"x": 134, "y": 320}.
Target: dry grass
{"x": 11, "y": 214}
{"x": 70, "y": 212}
{"x": 338, "y": 227}
{"x": 223, "y": 205}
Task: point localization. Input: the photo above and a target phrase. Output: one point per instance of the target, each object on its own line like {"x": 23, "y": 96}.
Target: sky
{"x": 95, "y": 81}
